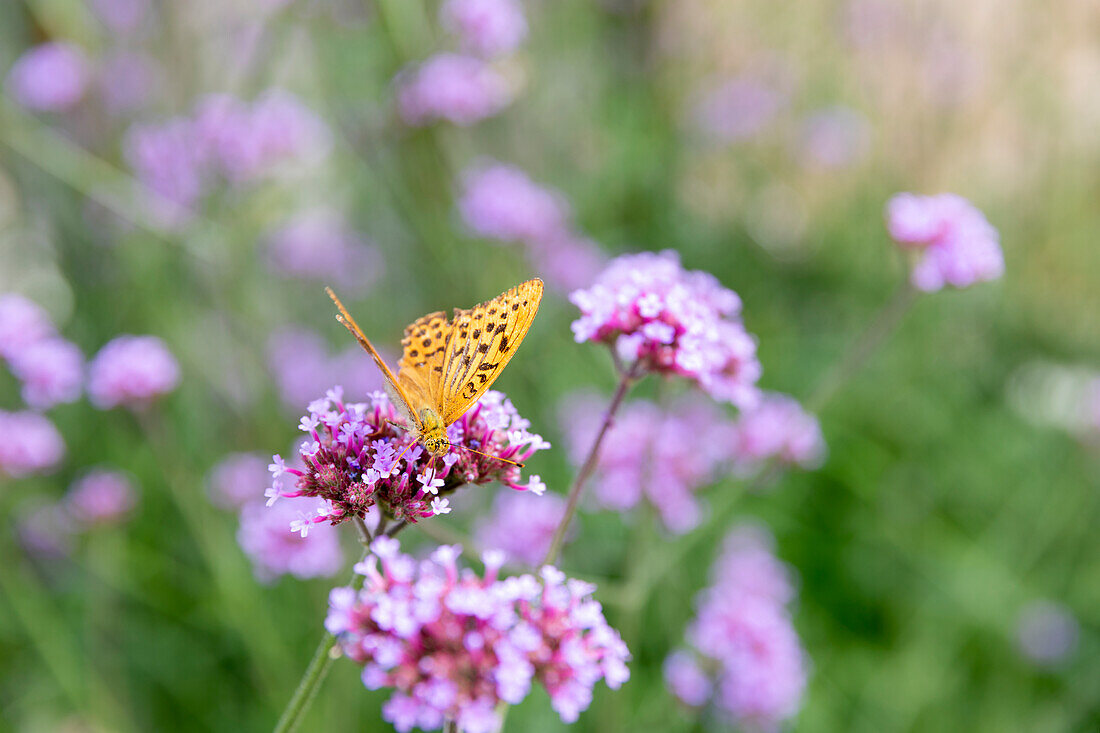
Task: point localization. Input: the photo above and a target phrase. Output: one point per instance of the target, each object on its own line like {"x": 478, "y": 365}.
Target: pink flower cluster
{"x": 453, "y": 87}
{"x": 351, "y": 459}
{"x": 50, "y": 77}
{"x": 485, "y": 27}
{"x": 747, "y": 657}
{"x": 131, "y": 371}
{"x": 521, "y": 525}
{"x": 237, "y": 479}
{"x": 29, "y": 444}
{"x": 953, "y": 242}
{"x": 651, "y": 454}
{"x": 454, "y": 645}
{"x": 303, "y": 367}
{"x": 318, "y": 244}
{"x": 101, "y": 497}
{"x": 50, "y": 368}
{"x": 226, "y": 137}
{"x": 265, "y": 536}
{"x": 779, "y": 429}
{"x": 669, "y": 320}
{"x": 501, "y": 202}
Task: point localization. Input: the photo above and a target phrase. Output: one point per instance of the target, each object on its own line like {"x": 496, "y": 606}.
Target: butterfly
{"x": 447, "y": 366}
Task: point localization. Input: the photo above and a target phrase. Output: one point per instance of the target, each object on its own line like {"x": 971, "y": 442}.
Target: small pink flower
{"x": 51, "y": 370}
{"x": 522, "y": 525}
{"x": 131, "y": 371}
{"x": 1046, "y": 632}
{"x": 101, "y": 497}
{"x": 461, "y": 89}
{"x": 29, "y": 444}
{"x": 266, "y": 536}
{"x": 51, "y": 77}
{"x": 319, "y": 245}
{"x": 686, "y": 679}
{"x": 237, "y": 479}
{"x": 501, "y": 202}
{"x": 303, "y": 368}
{"x": 22, "y": 323}
{"x": 778, "y": 428}
{"x": 486, "y": 27}
{"x": 954, "y": 243}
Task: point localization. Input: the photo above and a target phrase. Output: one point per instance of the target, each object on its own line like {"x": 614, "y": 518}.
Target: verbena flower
{"x": 237, "y": 479}
{"x": 486, "y": 27}
{"x": 1046, "y": 632}
{"x": 671, "y": 321}
{"x": 747, "y": 659}
{"x": 22, "y": 323}
{"x": 131, "y": 371}
{"x": 100, "y": 497}
{"x": 350, "y": 457}
{"x": 521, "y": 525}
{"x": 454, "y": 645}
{"x": 952, "y": 242}
{"x": 318, "y": 244}
{"x": 778, "y": 429}
{"x": 461, "y": 89}
{"x": 651, "y": 454}
{"x": 501, "y": 202}
{"x": 302, "y": 367}
{"x": 51, "y": 370}
{"x": 45, "y": 530}
{"x": 29, "y": 444}
{"x": 267, "y": 539}
{"x": 168, "y": 160}
{"x": 50, "y": 77}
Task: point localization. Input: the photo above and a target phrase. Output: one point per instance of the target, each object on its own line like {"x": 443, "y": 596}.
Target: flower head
{"x": 29, "y": 444}
{"x": 460, "y": 89}
{"x": 131, "y": 371}
{"x": 486, "y": 27}
{"x": 51, "y": 370}
{"x": 319, "y": 245}
{"x": 22, "y": 323}
{"x": 303, "y": 368}
{"x": 669, "y": 320}
{"x": 652, "y": 454}
{"x": 454, "y": 645}
{"x": 355, "y": 457}
{"x": 266, "y": 536}
{"x": 237, "y": 479}
{"x": 778, "y": 428}
{"x": 522, "y": 524}
{"x": 100, "y": 497}
{"x": 50, "y": 77}
{"x": 954, "y": 243}
{"x": 501, "y": 202}
{"x": 1046, "y": 632}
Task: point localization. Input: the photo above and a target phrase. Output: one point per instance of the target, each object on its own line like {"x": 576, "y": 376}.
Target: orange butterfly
{"x": 446, "y": 367}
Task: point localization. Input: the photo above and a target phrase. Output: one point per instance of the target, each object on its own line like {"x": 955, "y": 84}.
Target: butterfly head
{"x": 433, "y": 433}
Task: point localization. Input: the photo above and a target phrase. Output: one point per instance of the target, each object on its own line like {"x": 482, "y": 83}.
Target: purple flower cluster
{"x": 50, "y": 77}
{"x": 318, "y": 244}
{"x": 954, "y": 243}
{"x": 101, "y": 497}
{"x": 131, "y": 371}
{"x": 275, "y": 550}
{"x": 453, "y": 87}
{"x": 237, "y": 479}
{"x": 521, "y": 525}
{"x": 226, "y": 137}
{"x": 50, "y": 368}
{"x": 455, "y": 645}
{"x": 747, "y": 657}
{"x": 485, "y": 27}
{"x": 778, "y": 429}
{"x": 651, "y": 454}
{"x": 29, "y": 444}
{"x": 352, "y": 459}
{"x": 501, "y": 202}
{"x": 669, "y": 320}
{"x": 303, "y": 367}
{"x": 1046, "y": 632}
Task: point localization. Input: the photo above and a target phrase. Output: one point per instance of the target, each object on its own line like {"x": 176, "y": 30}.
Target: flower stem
{"x": 322, "y": 657}
{"x": 625, "y": 382}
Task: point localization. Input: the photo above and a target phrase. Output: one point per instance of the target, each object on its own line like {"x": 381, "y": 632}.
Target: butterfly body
{"x": 447, "y": 366}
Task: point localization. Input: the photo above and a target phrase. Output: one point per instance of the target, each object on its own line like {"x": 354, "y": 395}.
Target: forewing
{"x": 483, "y": 340}
{"x": 424, "y": 347}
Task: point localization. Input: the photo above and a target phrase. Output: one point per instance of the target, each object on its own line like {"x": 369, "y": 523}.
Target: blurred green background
{"x": 953, "y": 494}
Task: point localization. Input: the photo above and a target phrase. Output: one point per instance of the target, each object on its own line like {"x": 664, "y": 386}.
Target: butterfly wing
{"x": 421, "y": 367}
{"x": 482, "y": 341}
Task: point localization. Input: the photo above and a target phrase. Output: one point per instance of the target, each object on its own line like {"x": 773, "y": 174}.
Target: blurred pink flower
{"x": 1046, "y": 632}
{"x": 455, "y": 645}
{"x": 237, "y": 479}
{"x": 169, "y": 161}
{"x": 460, "y": 89}
{"x": 29, "y": 444}
{"x": 650, "y": 454}
{"x": 51, "y": 77}
{"x": 738, "y": 108}
{"x": 954, "y": 242}
{"x": 22, "y": 323}
{"x": 521, "y": 525}
{"x": 834, "y": 137}
{"x": 126, "y": 80}
{"x": 51, "y": 370}
{"x": 121, "y": 16}
{"x": 45, "y": 530}
{"x": 672, "y": 321}
{"x": 568, "y": 262}
{"x": 501, "y": 202}
{"x": 303, "y": 368}
{"x": 100, "y": 497}
{"x": 319, "y": 245}
{"x": 266, "y": 537}
{"x": 686, "y": 679}
{"x": 486, "y": 27}
{"x": 131, "y": 371}
{"x": 778, "y": 428}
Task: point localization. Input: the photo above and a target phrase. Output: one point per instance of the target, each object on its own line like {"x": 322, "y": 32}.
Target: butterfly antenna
{"x": 403, "y": 452}
{"x": 498, "y": 458}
